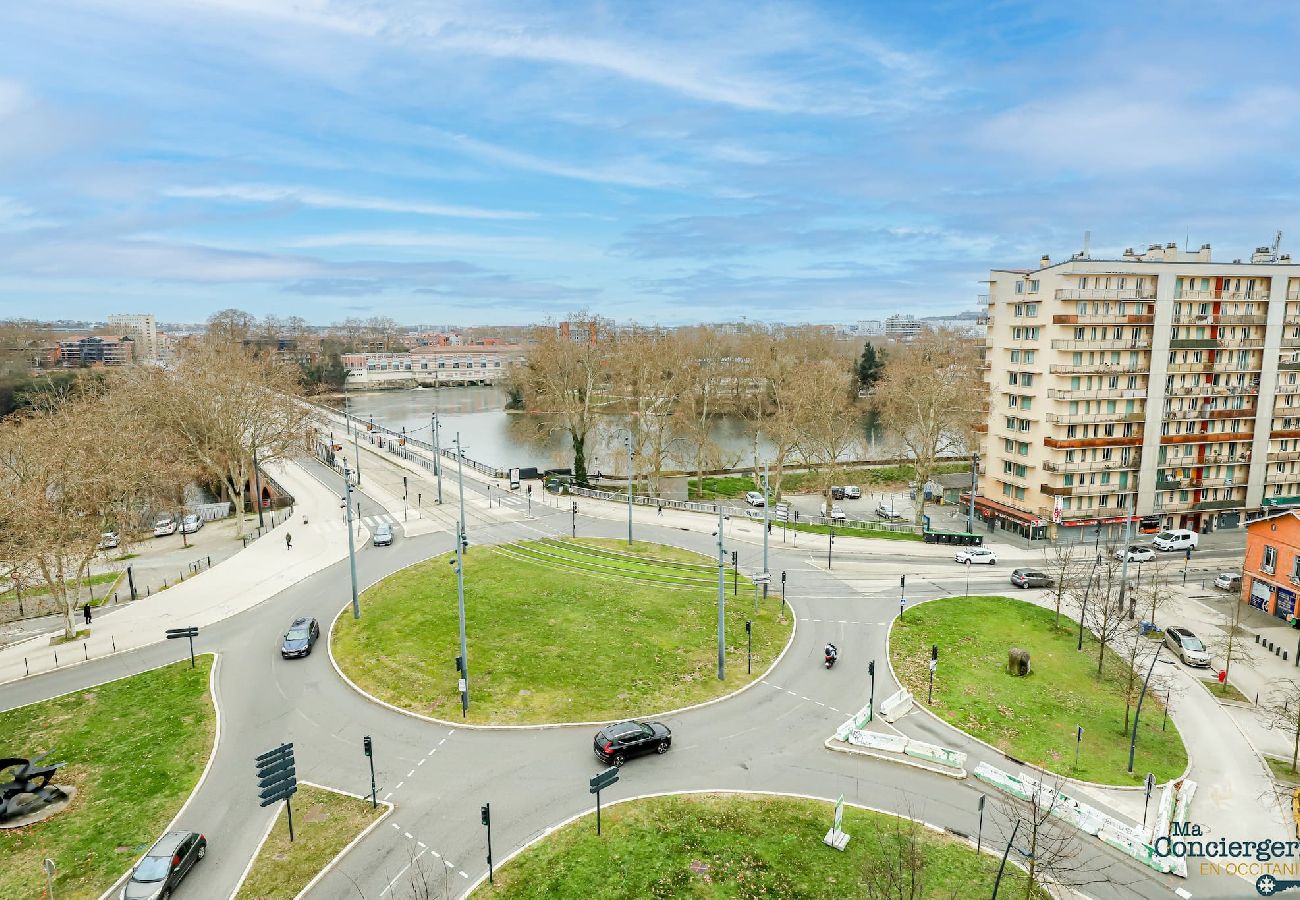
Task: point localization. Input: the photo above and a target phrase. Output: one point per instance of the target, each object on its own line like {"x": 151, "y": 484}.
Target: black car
{"x": 300, "y": 637}
{"x": 837, "y": 492}
{"x": 1030, "y": 578}
{"x": 163, "y": 867}
{"x": 617, "y": 743}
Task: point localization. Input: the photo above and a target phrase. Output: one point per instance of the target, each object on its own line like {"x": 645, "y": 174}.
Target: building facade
{"x": 1160, "y": 384}
{"x": 1271, "y": 574}
{"x": 78, "y": 353}
{"x": 465, "y": 364}
{"x": 143, "y": 331}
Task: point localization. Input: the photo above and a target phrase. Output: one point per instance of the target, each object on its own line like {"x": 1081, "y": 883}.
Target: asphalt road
{"x": 767, "y": 738}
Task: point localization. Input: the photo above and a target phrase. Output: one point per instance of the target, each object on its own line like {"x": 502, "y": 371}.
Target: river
{"x": 499, "y": 438}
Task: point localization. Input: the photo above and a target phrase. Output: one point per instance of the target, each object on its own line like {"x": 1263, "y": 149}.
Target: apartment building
{"x": 95, "y": 350}
{"x": 143, "y": 331}
{"x": 1160, "y": 385}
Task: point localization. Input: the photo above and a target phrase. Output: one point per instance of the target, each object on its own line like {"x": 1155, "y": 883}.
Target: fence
{"x": 211, "y": 512}
{"x": 376, "y": 437}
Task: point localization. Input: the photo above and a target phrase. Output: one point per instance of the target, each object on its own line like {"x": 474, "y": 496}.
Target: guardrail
{"x": 369, "y": 430}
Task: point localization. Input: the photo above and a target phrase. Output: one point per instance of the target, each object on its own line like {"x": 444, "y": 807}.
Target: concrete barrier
{"x": 954, "y": 759}
{"x": 896, "y": 706}
{"x": 856, "y": 722}
{"x": 875, "y": 740}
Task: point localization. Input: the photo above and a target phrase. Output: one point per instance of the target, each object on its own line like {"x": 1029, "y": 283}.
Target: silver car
{"x": 1187, "y": 647}
{"x": 383, "y": 534}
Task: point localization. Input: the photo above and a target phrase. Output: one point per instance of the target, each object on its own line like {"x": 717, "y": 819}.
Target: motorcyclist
{"x": 832, "y": 652}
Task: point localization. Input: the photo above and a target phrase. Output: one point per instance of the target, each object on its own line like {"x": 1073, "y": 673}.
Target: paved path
{"x": 769, "y": 737}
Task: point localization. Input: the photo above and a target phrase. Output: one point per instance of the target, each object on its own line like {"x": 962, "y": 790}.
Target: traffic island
{"x": 326, "y": 823}
{"x": 133, "y": 751}
{"x": 1034, "y": 718}
{"x": 748, "y": 845}
{"x": 558, "y": 631}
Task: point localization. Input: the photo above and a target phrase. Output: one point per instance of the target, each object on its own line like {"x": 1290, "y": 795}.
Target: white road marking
{"x": 386, "y": 796}
{"x": 819, "y": 703}
{"x": 441, "y": 742}
{"x": 395, "y": 825}
{"x": 408, "y": 835}
{"x": 394, "y": 881}
{"x": 463, "y": 875}
{"x": 420, "y": 763}
{"x": 410, "y": 773}
{"x": 399, "y": 785}
{"x": 423, "y": 845}
{"x": 418, "y": 855}
{"x": 431, "y": 752}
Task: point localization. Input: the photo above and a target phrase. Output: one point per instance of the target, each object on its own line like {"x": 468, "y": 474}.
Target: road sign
{"x": 277, "y": 777}
{"x": 279, "y": 752}
{"x": 173, "y": 633}
{"x": 762, "y": 578}
{"x": 604, "y": 779}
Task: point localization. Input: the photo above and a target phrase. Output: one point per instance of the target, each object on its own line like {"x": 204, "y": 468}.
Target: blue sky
{"x": 663, "y": 162}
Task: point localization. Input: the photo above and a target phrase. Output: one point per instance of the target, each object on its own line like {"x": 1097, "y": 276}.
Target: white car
{"x": 754, "y": 498}
{"x": 1228, "y": 581}
{"x": 108, "y": 540}
{"x": 1135, "y": 553}
{"x": 191, "y": 524}
{"x": 836, "y": 512}
{"x": 852, "y": 492}
{"x": 977, "y": 555}
{"x": 164, "y": 526}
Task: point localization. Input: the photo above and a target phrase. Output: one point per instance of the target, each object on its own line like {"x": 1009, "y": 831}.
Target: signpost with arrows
{"x": 276, "y": 779}
{"x": 600, "y": 782}
{"x": 191, "y": 632}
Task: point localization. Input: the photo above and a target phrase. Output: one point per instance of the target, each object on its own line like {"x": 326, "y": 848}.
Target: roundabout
{"x": 559, "y": 631}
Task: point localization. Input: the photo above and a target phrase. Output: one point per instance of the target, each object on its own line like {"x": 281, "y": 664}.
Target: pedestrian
{"x": 288, "y": 541}
{"x": 85, "y": 611}
{"x": 660, "y": 511}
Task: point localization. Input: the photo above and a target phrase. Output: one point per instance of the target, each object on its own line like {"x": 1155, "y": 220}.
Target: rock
{"x": 1018, "y": 662}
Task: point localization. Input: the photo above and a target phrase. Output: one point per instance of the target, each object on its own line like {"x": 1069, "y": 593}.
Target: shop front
{"x": 1284, "y": 604}
{"x": 1261, "y": 595}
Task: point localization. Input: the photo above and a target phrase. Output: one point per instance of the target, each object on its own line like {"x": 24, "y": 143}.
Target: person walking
{"x": 85, "y": 611}
{"x": 660, "y": 511}
{"x": 288, "y": 541}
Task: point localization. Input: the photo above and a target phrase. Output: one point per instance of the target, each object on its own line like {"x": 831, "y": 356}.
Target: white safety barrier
{"x": 896, "y": 705}
{"x": 954, "y": 759}
{"x": 1086, "y": 818}
{"x": 874, "y": 740}
{"x": 901, "y": 744}
{"x": 856, "y": 722}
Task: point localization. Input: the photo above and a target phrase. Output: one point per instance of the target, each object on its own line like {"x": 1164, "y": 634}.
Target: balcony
{"x": 1102, "y": 369}
{"x": 1093, "y": 490}
{"x": 1208, "y": 505}
{"x": 1170, "y": 484}
{"x": 1254, "y": 343}
{"x": 1237, "y": 296}
{"x": 1283, "y": 455}
{"x": 1210, "y": 459}
{"x": 1207, "y": 437}
{"x": 1095, "y": 418}
{"x": 1076, "y": 443}
{"x": 1290, "y": 343}
{"x": 1095, "y": 465}
{"x": 1114, "y": 318}
{"x": 1209, "y": 412}
{"x": 1054, "y": 491}
{"x": 1215, "y": 390}
{"x": 1126, "y": 294}
{"x": 1203, "y": 366}
{"x": 1289, "y": 365}
{"x": 1281, "y": 389}
{"x": 1193, "y": 344}
{"x": 1099, "y": 344}
{"x": 1099, "y": 393}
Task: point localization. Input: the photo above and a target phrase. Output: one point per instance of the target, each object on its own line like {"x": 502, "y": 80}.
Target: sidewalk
{"x": 252, "y": 575}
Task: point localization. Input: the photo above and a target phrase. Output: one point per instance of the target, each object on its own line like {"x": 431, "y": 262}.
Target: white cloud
{"x": 509, "y": 245}
{"x": 634, "y": 172}
{"x": 269, "y": 193}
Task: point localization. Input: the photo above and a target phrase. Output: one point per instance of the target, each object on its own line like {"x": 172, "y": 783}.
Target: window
{"x": 1029, "y": 354}
{"x": 1269, "y": 563}
{"x": 1033, "y": 285}
{"x": 1020, "y": 493}
{"x": 1015, "y": 356}
{"x": 1020, "y": 287}
{"x": 1031, "y": 309}
{"x": 1019, "y": 309}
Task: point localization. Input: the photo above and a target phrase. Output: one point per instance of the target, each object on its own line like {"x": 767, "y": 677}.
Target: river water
{"x": 504, "y": 439}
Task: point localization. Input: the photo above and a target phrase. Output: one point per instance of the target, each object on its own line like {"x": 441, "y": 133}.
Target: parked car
{"x": 1176, "y": 539}
{"x": 1228, "y": 581}
{"x": 162, "y": 868}
{"x": 888, "y": 514}
{"x": 300, "y": 637}
{"x": 1187, "y": 646}
{"x": 164, "y": 526}
{"x": 1135, "y": 553}
{"x": 191, "y": 523}
{"x": 754, "y": 498}
{"x": 976, "y": 555}
{"x": 837, "y": 492}
{"x": 383, "y": 535}
{"x": 836, "y": 512}
{"x": 1030, "y": 578}
{"x": 108, "y": 540}
{"x": 615, "y": 744}
{"x": 852, "y": 492}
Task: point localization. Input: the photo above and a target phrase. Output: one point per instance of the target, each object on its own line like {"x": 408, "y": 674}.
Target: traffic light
{"x": 464, "y": 542}
{"x": 749, "y": 626}
{"x": 367, "y": 745}
{"x": 871, "y": 668}
{"x": 485, "y": 814}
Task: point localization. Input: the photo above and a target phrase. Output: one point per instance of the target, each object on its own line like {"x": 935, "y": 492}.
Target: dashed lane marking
{"x": 399, "y": 785}
{"x": 410, "y": 773}
{"x": 408, "y": 835}
{"x": 420, "y": 763}
{"x": 386, "y": 796}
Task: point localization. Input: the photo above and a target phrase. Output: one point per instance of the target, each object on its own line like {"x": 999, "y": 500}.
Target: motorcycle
{"x": 831, "y": 656}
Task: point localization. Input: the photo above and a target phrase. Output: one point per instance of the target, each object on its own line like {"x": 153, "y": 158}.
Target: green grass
{"x": 134, "y": 750}
{"x": 735, "y": 486}
{"x": 1281, "y": 770}
{"x": 42, "y": 589}
{"x": 1031, "y": 718}
{"x": 597, "y": 633}
{"x": 736, "y": 846}
{"x": 852, "y": 532}
{"x": 324, "y": 822}
{"x": 64, "y": 639}
{"x": 1225, "y": 692}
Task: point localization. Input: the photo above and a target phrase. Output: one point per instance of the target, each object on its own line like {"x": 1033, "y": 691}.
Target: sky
{"x": 660, "y": 162}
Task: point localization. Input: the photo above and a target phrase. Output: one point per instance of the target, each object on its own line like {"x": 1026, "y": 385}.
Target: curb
{"x": 832, "y": 744}
{"x": 212, "y": 756}
{"x": 329, "y": 647}
{"x": 546, "y": 832}
{"x": 337, "y": 858}
{"x": 1065, "y": 778}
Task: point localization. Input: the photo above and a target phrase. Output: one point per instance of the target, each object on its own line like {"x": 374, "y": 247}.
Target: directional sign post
{"x": 749, "y": 652}
{"x": 1150, "y": 786}
{"x": 485, "y": 813}
{"x": 600, "y": 782}
{"x": 190, "y": 632}
{"x": 276, "y": 779}
{"x": 836, "y": 837}
{"x": 934, "y": 664}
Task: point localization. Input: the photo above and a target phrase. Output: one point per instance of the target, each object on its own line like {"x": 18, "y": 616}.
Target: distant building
{"x": 465, "y": 364}
{"x": 95, "y": 350}
{"x": 143, "y": 331}
{"x": 902, "y": 327}
{"x": 972, "y": 324}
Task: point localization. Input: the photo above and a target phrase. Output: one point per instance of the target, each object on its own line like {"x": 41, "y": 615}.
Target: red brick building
{"x": 1271, "y": 574}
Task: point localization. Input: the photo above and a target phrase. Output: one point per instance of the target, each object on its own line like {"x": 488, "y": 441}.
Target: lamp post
{"x": 722, "y": 600}
{"x": 352, "y": 549}
{"x": 767, "y": 526}
{"x": 934, "y": 664}
{"x": 356, "y": 450}
{"x": 257, "y": 484}
{"x": 437, "y": 452}
{"x": 871, "y": 670}
{"x": 461, "y": 541}
{"x": 970, "y": 513}
{"x": 1132, "y": 744}
{"x": 998, "y": 881}
{"x": 627, "y": 441}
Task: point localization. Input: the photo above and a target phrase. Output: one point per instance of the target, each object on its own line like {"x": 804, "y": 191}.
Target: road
{"x": 438, "y": 775}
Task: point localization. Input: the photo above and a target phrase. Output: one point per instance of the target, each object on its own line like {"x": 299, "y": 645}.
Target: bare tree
{"x": 896, "y": 867}
{"x": 1105, "y": 615}
{"x": 1049, "y": 847}
{"x": 828, "y": 424}
{"x": 231, "y": 326}
{"x": 1064, "y": 562}
{"x": 648, "y": 374}
{"x": 930, "y": 395}
{"x": 1282, "y": 712}
{"x": 702, "y": 396}
{"x": 1228, "y": 644}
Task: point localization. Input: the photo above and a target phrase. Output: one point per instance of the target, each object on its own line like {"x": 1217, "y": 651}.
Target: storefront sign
{"x": 1259, "y": 591}
{"x": 1285, "y": 603}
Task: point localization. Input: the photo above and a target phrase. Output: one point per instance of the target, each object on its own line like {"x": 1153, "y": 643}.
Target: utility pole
{"x": 356, "y": 449}
{"x": 460, "y": 580}
{"x": 352, "y": 548}
{"x": 437, "y": 453}
{"x": 627, "y": 440}
{"x": 722, "y": 600}
{"x": 257, "y": 484}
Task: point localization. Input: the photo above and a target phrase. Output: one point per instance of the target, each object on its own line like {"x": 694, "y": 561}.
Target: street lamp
{"x": 437, "y": 452}
{"x": 627, "y": 442}
{"x": 461, "y": 543}
{"x": 352, "y": 549}
{"x": 722, "y": 599}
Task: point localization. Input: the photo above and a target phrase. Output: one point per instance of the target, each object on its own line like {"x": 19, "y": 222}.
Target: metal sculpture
{"x": 29, "y": 777}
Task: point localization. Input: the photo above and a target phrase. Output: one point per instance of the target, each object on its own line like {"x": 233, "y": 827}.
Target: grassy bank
{"x": 545, "y": 622}
{"x": 324, "y": 822}
{"x": 737, "y": 846}
{"x": 735, "y": 486}
{"x": 1031, "y": 718}
{"x": 134, "y": 751}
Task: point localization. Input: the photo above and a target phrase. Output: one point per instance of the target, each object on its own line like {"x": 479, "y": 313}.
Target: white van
{"x": 1176, "y": 539}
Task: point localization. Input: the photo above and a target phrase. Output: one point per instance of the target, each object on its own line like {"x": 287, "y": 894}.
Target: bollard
{"x": 209, "y": 562}
{"x": 148, "y": 591}
{"x": 1257, "y": 639}
{"x": 1284, "y": 657}
{"x": 26, "y": 668}
{"x": 114, "y": 643}
{"x": 56, "y": 659}
{"x": 84, "y": 651}
{"x": 115, "y": 598}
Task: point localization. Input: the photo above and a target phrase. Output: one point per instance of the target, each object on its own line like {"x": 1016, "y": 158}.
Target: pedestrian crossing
{"x": 384, "y": 518}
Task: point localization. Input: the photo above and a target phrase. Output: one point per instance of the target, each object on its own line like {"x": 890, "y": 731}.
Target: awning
{"x": 994, "y": 508}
